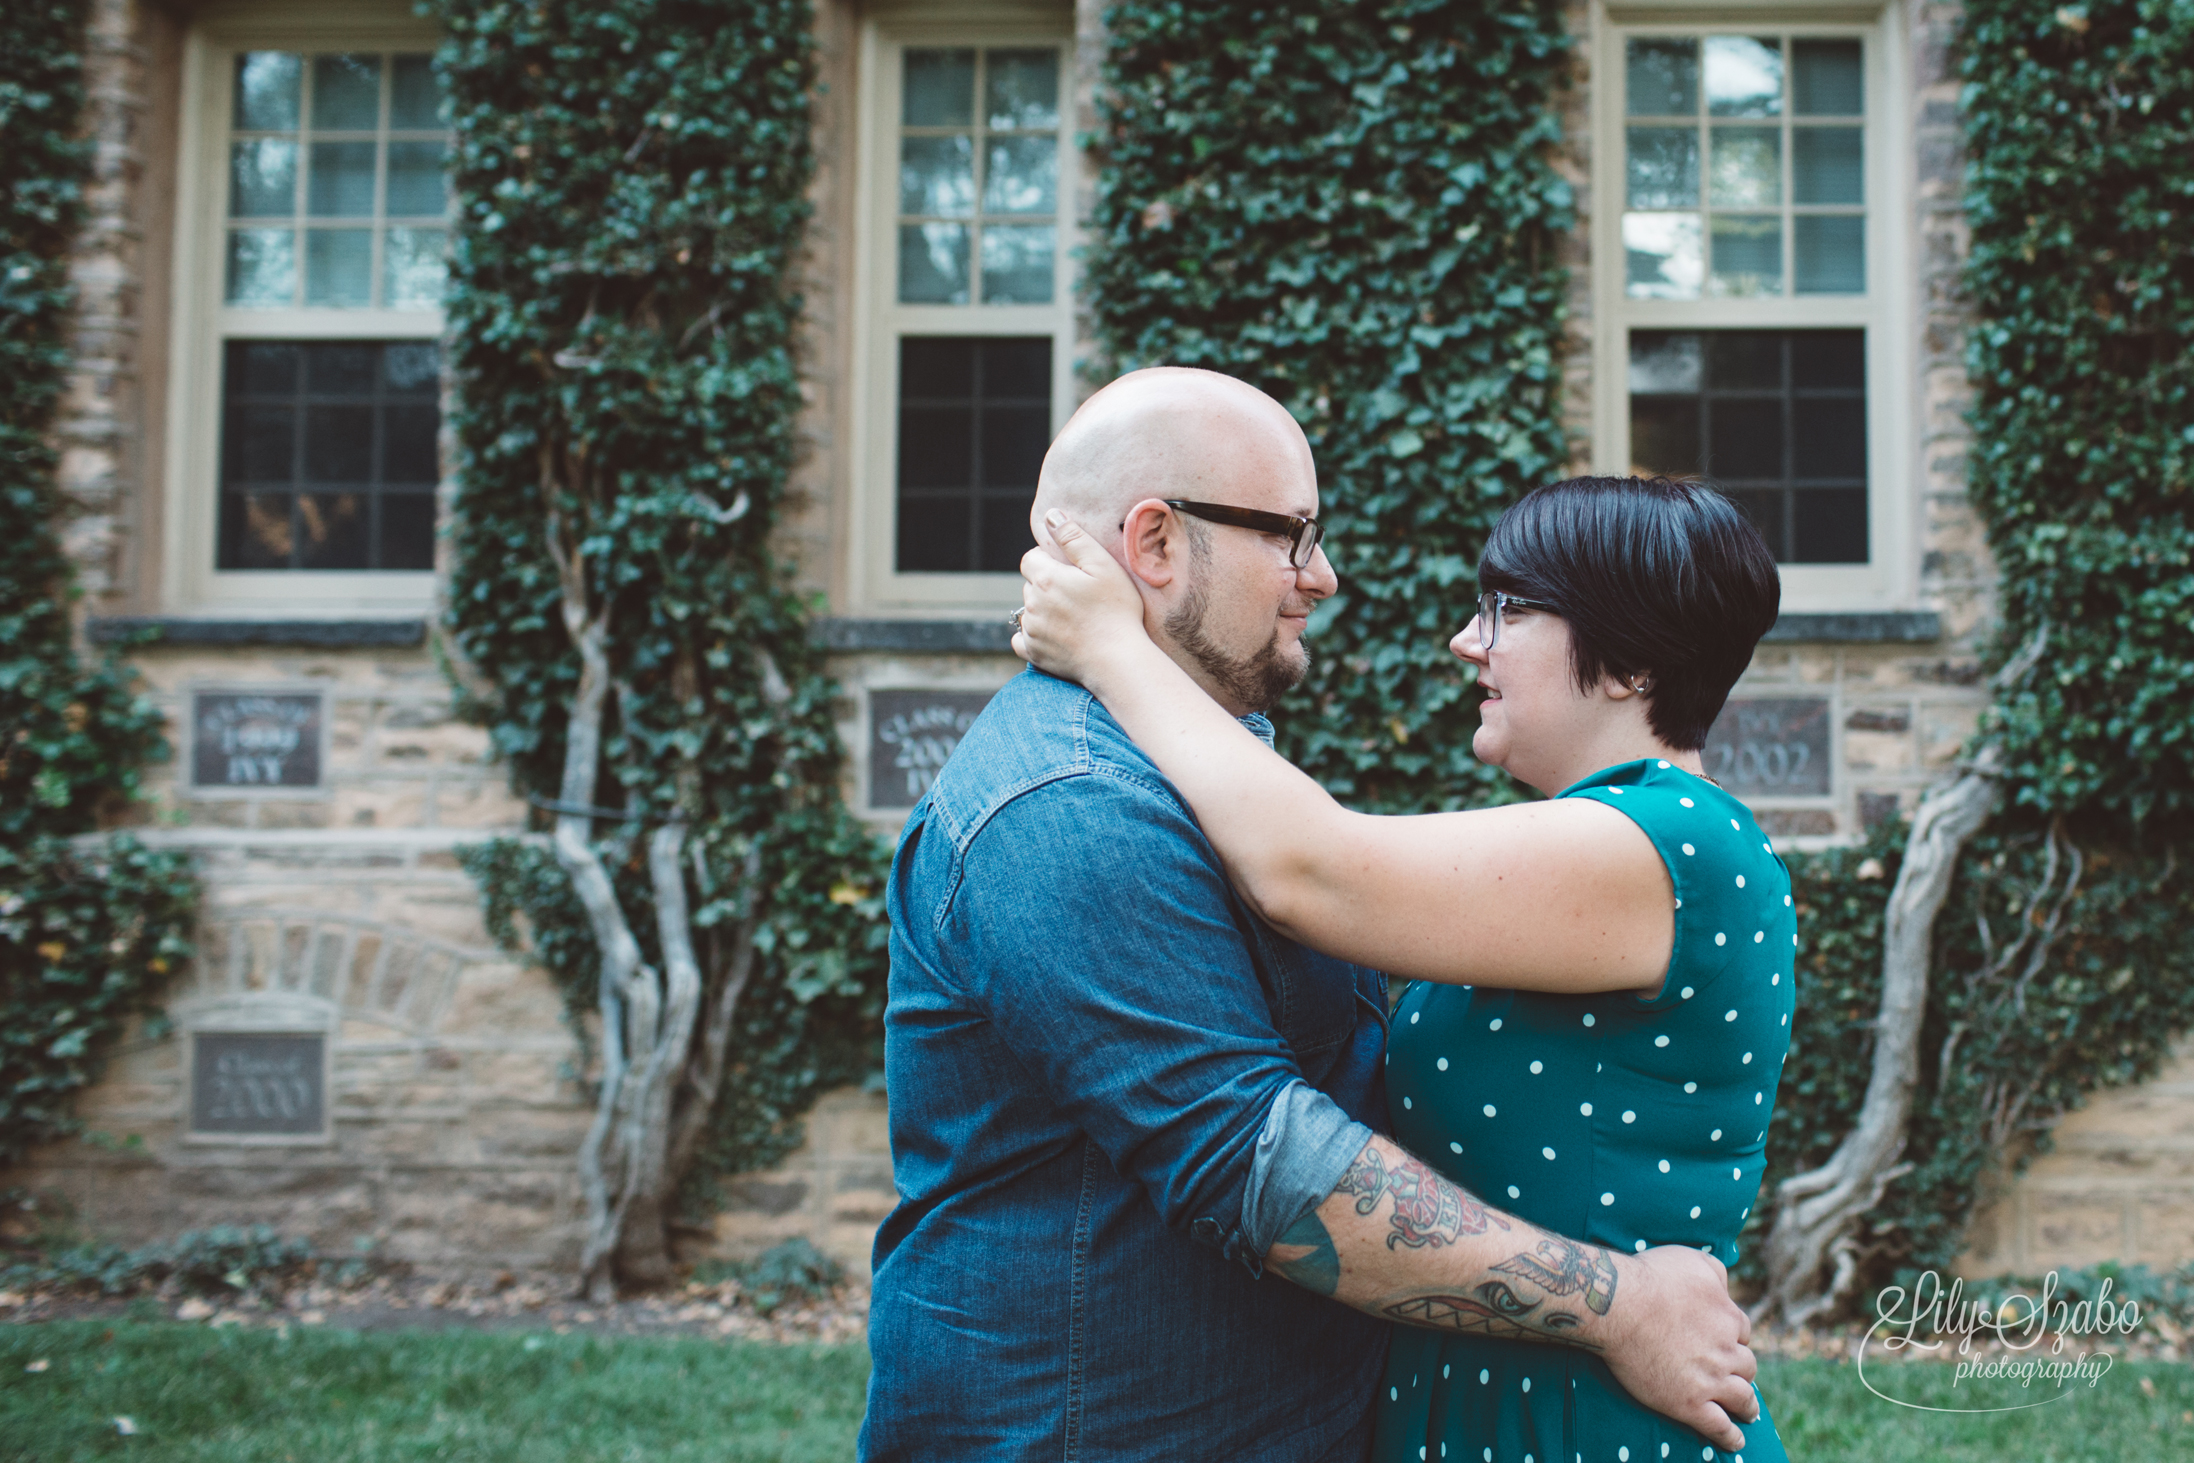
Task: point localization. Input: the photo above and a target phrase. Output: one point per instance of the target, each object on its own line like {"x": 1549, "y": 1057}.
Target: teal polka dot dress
{"x": 1621, "y": 1119}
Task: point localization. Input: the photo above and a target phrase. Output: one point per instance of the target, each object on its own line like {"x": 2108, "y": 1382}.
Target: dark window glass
{"x": 974, "y": 424}
{"x": 328, "y": 455}
{"x": 1774, "y": 418}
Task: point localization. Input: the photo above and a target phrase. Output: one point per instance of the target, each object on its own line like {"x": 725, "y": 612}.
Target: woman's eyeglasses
{"x": 1303, "y": 535}
{"x": 1492, "y": 603}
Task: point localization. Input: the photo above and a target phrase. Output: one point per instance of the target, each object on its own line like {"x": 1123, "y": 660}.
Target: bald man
{"x": 1118, "y": 1097}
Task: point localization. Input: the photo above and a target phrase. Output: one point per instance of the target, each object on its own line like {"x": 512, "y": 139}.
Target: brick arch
{"x": 368, "y": 970}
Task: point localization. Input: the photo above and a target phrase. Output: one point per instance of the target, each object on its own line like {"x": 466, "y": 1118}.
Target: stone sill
{"x": 140, "y": 631}
{"x": 995, "y": 636}
{"x": 852, "y": 635}
{"x": 1894, "y": 627}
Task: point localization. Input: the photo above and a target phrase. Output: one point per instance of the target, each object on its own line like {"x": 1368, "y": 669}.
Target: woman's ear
{"x": 1624, "y": 688}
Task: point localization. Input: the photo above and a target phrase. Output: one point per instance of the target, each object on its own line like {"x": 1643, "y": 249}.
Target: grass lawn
{"x": 324, "y": 1396}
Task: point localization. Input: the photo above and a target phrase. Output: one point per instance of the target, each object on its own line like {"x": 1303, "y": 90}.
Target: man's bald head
{"x": 1173, "y": 432}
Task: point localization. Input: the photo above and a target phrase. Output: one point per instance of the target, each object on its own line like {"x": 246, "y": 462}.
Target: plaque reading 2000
{"x": 265, "y": 1083}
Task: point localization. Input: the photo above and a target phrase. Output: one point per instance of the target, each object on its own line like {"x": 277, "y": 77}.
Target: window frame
{"x": 880, "y": 320}
{"x": 202, "y": 324}
{"x": 1885, "y": 311}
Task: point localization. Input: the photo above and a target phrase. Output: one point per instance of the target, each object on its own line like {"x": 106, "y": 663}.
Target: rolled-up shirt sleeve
{"x": 1115, "y": 970}
{"x": 1306, "y": 1145}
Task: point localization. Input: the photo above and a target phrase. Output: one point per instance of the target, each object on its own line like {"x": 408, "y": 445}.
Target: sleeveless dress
{"x": 1621, "y": 1119}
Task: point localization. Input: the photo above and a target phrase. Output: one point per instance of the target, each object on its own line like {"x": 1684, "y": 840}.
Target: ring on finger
{"x": 1014, "y": 619}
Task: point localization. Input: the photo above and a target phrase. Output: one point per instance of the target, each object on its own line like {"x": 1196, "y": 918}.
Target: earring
{"x": 1641, "y": 687}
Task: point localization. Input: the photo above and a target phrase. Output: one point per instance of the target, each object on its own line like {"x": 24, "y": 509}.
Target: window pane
{"x": 1744, "y": 76}
{"x": 255, "y": 531}
{"x": 940, "y": 88}
{"x": 328, "y": 454}
{"x": 407, "y": 531}
{"x": 1827, "y": 165}
{"x": 1828, "y": 360}
{"x": 339, "y": 443}
{"x": 332, "y": 531}
{"x": 1017, "y": 264}
{"x": 1020, "y": 175}
{"x": 1748, "y": 254}
{"x": 1744, "y": 439}
{"x": 341, "y": 181}
{"x": 262, "y": 267}
{"x": 1662, "y": 78}
{"x": 1826, "y": 79}
{"x": 1747, "y": 168}
{"x": 346, "y": 93}
{"x": 262, "y": 446}
{"x": 408, "y": 448}
{"x": 1831, "y": 254}
{"x": 266, "y": 91}
{"x": 1662, "y": 258}
{"x": 1829, "y": 526}
{"x": 1767, "y": 510}
{"x": 933, "y": 264}
{"x": 413, "y": 268}
{"x": 415, "y": 97}
{"x": 263, "y": 178}
{"x": 1744, "y": 360}
{"x": 974, "y": 423}
{"x": 416, "y": 185}
{"x": 937, "y": 175}
{"x": 1663, "y": 167}
{"x": 1664, "y": 437}
{"x": 1829, "y": 438}
{"x": 1663, "y": 361}
{"x": 1021, "y": 89}
{"x": 339, "y": 267}
{"x": 261, "y": 366}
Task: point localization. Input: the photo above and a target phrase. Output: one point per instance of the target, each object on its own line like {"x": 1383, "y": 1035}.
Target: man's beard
{"x": 1256, "y": 680}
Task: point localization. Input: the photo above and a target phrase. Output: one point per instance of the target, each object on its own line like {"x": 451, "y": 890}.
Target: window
{"x": 327, "y": 454}
{"x": 966, "y": 309}
{"x": 1753, "y": 287}
{"x": 305, "y": 399}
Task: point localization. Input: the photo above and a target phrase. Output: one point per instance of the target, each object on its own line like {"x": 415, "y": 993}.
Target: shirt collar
{"x": 1260, "y": 726}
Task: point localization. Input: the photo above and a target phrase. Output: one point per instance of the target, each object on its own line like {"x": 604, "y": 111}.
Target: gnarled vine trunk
{"x": 661, "y": 1063}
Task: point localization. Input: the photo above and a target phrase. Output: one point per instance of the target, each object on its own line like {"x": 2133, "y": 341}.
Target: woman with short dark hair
{"x": 1604, "y": 978}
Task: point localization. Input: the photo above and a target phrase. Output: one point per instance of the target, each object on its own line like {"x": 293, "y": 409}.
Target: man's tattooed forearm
{"x": 1428, "y": 1210}
{"x": 1555, "y": 1267}
{"x": 1490, "y": 1313}
{"x": 1305, "y": 1255}
{"x": 1564, "y": 1267}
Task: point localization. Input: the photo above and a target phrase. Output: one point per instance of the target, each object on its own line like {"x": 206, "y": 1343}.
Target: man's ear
{"x": 1152, "y": 544}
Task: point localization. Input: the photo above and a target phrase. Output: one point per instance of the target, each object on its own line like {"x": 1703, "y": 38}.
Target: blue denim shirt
{"x": 1112, "y": 1087}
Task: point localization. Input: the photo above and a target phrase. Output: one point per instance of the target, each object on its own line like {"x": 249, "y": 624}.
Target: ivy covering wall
{"x": 2063, "y": 961}
{"x": 630, "y": 179}
{"x": 85, "y": 940}
{"x": 1351, "y": 206}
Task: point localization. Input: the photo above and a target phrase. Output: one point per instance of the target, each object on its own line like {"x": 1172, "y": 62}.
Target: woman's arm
{"x": 1555, "y": 896}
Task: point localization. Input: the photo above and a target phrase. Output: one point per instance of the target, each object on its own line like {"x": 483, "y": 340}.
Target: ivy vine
{"x": 86, "y": 940}
{"x": 631, "y": 184}
{"x": 1352, "y": 207}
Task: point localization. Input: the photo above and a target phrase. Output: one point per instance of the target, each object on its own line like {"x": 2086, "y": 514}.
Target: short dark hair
{"x": 1653, "y": 576}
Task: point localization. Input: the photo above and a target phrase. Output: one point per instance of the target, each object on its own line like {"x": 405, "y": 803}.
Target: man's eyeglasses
{"x": 1490, "y": 607}
{"x": 1303, "y": 535}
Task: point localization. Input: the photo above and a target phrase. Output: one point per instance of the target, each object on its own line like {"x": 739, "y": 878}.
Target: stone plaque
{"x": 910, "y": 734}
{"x": 261, "y": 741}
{"x": 1773, "y": 747}
{"x": 259, "y": 1083}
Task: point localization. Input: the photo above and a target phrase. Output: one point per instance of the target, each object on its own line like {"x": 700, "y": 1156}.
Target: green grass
{"x": 1825, "y": 1415}
{"x": 339, "y": 1397}
{"x": 324, "y": 1396}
